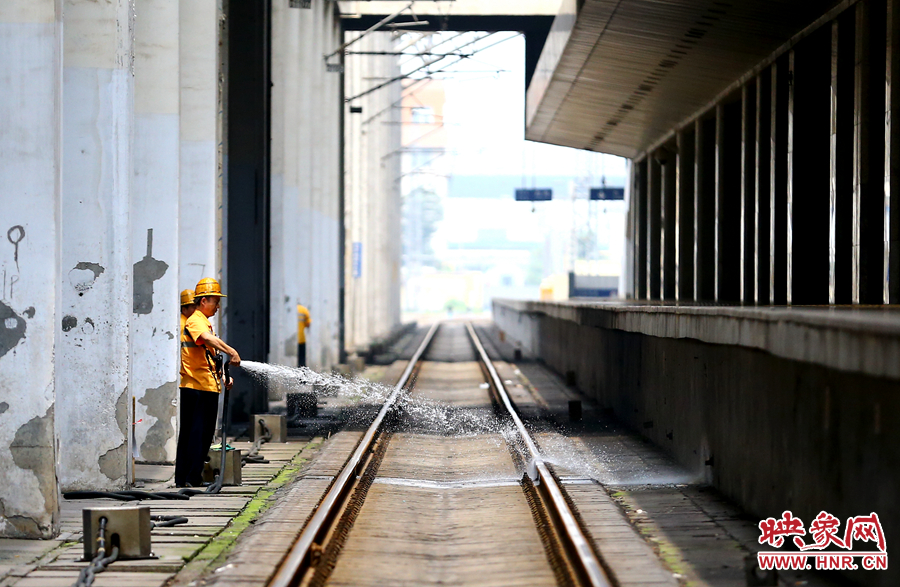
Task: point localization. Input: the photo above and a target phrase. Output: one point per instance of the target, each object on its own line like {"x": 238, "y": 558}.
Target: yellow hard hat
{"x": 208, "y": 287}
{"x": 187, "y": 297}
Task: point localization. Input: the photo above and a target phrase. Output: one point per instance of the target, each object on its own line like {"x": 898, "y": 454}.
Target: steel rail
{"x": 585, "y": 560}
{"x": 301, "y": 552}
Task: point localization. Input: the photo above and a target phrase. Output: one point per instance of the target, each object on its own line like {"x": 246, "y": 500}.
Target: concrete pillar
{"x": 318, "y": 165}
{"x": 331, "y": 106}
{"x": 374, "y": 184}
{"x": 198, "y": 74}
{"x": 317, "y": 221}
{"x": 748, "y": 193}
{"x": 704, "y": 209}
{"x": 684, "y": 210}
{"x": 626, "y": 276}
{"x": 840, "y": 166}
{"x": 778, "y": 137}
{"x": 285, "y": 262}
{"x": 323, "y": 224}
{"x": 809, "y": 105}
{"x": 761, "y": 185}
{"x": 92, "y": 360}
{"x": 668, "y": 214}
{"x": 892, "y": 155}
{"x": 31, "y": 78}
{"x": 654, "y": 228}
{"x": 868, "y": 154}
{"x": 154, "y": 223}
{"x": 727, "y": 202}
{"x": 640, "y": 234}
{"x": 304, "y": 223}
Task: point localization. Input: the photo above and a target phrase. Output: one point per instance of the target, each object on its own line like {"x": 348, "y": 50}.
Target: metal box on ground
{"x": 232, "y": 474}
{"x": 276, "y": 423}
{"x": 302, "y": 405}
{"x": 127, "y": 527}
{"x": 357, "y": 364}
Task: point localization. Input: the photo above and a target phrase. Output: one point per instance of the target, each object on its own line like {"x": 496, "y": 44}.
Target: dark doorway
{"x": 247, "y": 200}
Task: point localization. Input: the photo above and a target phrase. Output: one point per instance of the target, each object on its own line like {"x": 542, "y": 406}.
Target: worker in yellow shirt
{"x": 303, "y": 322}
{"x": 199, "y": 386}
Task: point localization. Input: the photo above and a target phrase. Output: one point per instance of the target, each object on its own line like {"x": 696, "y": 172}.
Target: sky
{"x": 485, "y": 113}
{"x": 484, "y": 122}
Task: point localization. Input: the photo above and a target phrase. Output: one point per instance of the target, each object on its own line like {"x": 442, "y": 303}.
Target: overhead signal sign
{"x": 533, "y": 195}
{"x": 607, "y": 193}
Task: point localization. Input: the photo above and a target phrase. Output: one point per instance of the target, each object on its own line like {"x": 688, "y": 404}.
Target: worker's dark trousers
{"x": 198, "y": 424}
{"x": 301, "y": 354}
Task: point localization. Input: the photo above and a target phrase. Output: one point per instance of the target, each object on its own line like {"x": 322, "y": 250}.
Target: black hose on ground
{"x": 134, "y": 494}
{"x": 166, "y": 521}
{"x": 252, "y": 455}
{"x": 98, "y": 494}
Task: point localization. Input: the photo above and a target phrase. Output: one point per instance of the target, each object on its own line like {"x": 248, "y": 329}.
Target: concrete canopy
{"x": 532, "y": 18}
{"x": 617, "y": 76}
{"x": 350, "y": 8}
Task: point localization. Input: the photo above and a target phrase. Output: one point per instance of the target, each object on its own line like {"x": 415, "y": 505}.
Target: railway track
{"x": 429, "y": 496}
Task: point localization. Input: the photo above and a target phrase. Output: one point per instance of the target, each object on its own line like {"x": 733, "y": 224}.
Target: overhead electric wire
{"x": 424, "y": 65}
{"x": 432, "y": 46}
{"x": 371, "y": 29}
{"x": 402, "y": 54}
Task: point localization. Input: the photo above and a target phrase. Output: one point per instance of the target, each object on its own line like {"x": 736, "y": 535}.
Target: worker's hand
{"x": 235, "y": 359}
{"x": 230, "y": 383}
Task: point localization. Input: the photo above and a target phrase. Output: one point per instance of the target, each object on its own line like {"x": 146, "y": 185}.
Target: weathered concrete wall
{"x": 92, "y": 360}
{"x": 154, "y": 224}
{"x": 318, "y": 222}
{"x": 285, "y": 261}
{"x": 30, "y": 134}
{"x": 522, "y": 329}
{"x": 372, "y": 183}
{"x": 772, "y": 433}
{"x": 199, "y": 66}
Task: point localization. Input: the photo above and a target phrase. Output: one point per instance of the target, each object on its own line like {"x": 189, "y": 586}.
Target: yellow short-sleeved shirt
{"x": 196, "y": 372}
{"x": 303, "y": 322}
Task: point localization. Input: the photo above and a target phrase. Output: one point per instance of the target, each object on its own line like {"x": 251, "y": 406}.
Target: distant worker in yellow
{"x": 199, "y": 386}
{"x": 303, "y": 322}
{"x": 188, "y": 306}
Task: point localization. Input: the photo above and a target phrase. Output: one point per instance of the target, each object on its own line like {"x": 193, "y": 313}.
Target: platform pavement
{"x": 215, "y": 522}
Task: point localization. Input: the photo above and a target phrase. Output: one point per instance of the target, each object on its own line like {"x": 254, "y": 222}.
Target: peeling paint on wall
{"x": 12, "y": 329}
{"x": 113, "y": 462}
{"x": 31, "y": 447}
{"x": 146, "y": 271}
{"x": 159, "y": 404}
{"x": 84, "y": 274}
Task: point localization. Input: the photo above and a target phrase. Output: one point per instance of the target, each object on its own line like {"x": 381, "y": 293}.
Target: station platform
{"x": 779, "y": 408}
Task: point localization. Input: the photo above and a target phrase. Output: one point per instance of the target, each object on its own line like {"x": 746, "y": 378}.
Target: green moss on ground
{"x": 221, "y": 544}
